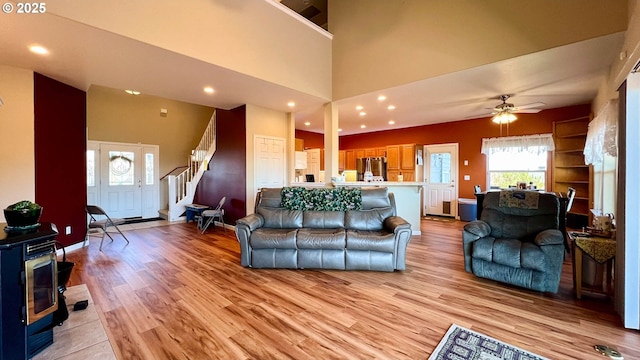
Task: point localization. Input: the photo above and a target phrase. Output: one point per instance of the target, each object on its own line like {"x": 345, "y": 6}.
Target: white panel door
{"x": 441, "y": 172}
{"x": 121, "y": 180}
{"x": 269, "y": 162}
{"x": 150, "y": 184}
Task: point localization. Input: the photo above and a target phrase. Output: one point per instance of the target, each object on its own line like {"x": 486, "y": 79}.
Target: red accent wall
{"x": 60, "y": 156}
{"x": 227, "y": 174}
{"x": 468, "y": 134}
{"x": 312, "y": 140}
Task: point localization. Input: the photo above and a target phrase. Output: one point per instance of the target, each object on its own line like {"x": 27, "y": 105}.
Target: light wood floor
{"x": 176, "y": 294}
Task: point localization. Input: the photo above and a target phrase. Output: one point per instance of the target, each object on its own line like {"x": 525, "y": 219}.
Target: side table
{"x": 193, "y": 211}
{"x": 602, "y": 250}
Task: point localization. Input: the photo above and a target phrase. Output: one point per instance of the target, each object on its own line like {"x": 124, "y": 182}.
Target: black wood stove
{"x": 28, "y": 290}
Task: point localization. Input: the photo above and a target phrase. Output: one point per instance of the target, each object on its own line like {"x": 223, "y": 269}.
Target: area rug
{"x": 464, "y": 344}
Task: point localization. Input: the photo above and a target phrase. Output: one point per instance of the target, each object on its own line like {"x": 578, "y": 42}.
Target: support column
{"x": 331, "y": 143}
{"x": 291, "y": 148}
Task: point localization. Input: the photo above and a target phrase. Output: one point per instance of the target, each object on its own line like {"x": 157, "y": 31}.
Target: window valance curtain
{"x": 601, "y": 136}
{"x": 535, "y": 144}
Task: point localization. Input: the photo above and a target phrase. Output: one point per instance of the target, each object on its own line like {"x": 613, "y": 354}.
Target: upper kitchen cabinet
{"x": 341, "y": 160}
{"x": 408, "y": 157}
{"x": 393, "y": 157}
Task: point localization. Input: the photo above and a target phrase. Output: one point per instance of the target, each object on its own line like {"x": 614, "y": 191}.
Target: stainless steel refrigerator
{"x": 378, "y": 168}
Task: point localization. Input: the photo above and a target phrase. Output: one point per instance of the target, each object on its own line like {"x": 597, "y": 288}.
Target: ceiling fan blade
{"x": 532, "y": 105}
{"x": 527, "y": 111}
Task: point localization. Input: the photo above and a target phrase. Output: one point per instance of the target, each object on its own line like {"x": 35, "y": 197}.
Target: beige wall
{"x": 398, "y": 42}
{"x": 17, "y": 158}
{"x": 263, "y": 122}
{"x": 115, "y": 116}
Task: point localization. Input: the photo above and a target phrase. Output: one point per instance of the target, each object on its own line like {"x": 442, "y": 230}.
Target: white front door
{"x": 269, "y": 157}
{"x": 121, "y": 180}
{"x": 441, "y": 172}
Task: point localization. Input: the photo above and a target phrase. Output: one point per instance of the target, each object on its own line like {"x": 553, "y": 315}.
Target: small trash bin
{"x": 467, "y": 209}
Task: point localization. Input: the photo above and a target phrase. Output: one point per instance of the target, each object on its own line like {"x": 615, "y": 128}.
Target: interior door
{"x": 121, "y": 180}
{"x": 441, "y": 172}
{"x": 269, "y": 162}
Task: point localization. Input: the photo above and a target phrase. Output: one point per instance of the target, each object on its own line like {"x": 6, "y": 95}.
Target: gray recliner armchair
{"x": 516, "y": 240}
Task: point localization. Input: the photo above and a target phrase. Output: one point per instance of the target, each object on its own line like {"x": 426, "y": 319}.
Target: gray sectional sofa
{"x": 353, "y": 235}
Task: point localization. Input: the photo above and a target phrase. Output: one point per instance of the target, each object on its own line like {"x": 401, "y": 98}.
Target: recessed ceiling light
{"x": 363, "y": 126}
{"x": 359, "y": 107}
{"x": 362, "y": 113}
{"x": 132, "y": 92}
{"x": 391, "y": 107}
{"x": 208, "y": 90}
{"x": 339, "y": 129}
{"x": 37, "y": 49}
{"x": 382, "y": 98}
{"x": 291, "y": 104}
{"x": 391, "y": 122}
{"x": 307, "y": 123}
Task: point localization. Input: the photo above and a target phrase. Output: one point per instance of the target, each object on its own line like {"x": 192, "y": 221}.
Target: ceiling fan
{"x": 504, "y": 113}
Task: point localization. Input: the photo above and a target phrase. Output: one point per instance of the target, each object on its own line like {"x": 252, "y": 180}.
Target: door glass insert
{"x": 91, "y": 168}
{"x": 440, "y": 168}
{"x": 121, "y": 168}
{"x": 148, "y": 168}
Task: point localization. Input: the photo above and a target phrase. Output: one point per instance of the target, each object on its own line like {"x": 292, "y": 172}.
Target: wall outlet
{"x": 67, "y": 230}
{"x": 466, "y": 163}
{"x": 467, "y": 177}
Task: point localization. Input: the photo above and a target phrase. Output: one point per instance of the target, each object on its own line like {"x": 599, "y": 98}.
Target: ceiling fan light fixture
{"x": 504, "y": 117}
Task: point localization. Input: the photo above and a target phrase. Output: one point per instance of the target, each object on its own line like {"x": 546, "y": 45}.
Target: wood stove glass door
{"x": 41, "y": 292}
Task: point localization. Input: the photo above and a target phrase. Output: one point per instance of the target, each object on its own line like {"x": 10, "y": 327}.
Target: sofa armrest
{"x": 244, "y": 227}
{"x": 396, "y": 223}
{"x": 402, "y": 230}
{"x": 471, "y": 232}
{"x": 549, "y": 237}
{"x": 251, "y": 221}
{"x": 478, "y": 228}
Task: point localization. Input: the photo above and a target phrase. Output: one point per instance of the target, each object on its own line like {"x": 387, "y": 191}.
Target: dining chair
{"x": 208, "y": 216}
{"x": 98, "y": 219}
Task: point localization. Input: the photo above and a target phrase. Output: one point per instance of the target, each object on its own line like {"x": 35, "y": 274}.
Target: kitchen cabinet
{"x": 360, "y": 153}
{"x": 321, "y": 159}
{"x": 349, "y": 160}
{"x": 381, "y": 151}
{"x": 393, "y": 157}
{"x": 299, "y": 144}
{"x": 569, "y": 169}
{"x": 370, "y": 152}
{"x": 341, "y": 160}
{"x": 408, "y": 157}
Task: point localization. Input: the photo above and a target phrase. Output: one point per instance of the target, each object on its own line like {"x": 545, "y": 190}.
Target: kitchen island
{"x": 408, "y": 195}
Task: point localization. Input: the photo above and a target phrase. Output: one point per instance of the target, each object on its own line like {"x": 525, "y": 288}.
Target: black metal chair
{"x": 208, "y": 216}
{"x": 100, "y": 220}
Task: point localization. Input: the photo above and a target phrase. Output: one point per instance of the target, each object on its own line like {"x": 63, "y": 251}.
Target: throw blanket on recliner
{"x": 322, "y": 199}
{"x": 519, "y": 199}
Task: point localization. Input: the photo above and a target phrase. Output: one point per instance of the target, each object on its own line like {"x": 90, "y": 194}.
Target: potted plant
{"x": 22, "y": 214}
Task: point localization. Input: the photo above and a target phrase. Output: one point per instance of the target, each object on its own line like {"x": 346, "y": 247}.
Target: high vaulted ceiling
{"x": 82, "y": 55}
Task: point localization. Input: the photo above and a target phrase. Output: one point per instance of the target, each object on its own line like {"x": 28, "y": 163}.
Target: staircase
{"x": 182, "y": 186}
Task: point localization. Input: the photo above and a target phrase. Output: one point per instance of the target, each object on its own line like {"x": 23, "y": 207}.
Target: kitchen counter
{"x": 408, "y": 196}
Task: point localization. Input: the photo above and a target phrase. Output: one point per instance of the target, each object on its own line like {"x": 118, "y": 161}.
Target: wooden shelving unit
{"x": 569, "y": 169}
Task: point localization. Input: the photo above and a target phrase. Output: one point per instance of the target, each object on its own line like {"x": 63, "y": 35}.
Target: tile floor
{"x": 82, "y": 336}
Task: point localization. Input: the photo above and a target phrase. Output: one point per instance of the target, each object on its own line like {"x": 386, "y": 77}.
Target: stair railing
{"x": 182, "y": 187}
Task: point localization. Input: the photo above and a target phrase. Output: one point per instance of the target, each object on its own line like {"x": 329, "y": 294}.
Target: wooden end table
{"x": 600, "y": 249}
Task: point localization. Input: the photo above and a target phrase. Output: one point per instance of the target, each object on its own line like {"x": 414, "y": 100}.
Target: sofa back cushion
{"x": 375, "y": 198}
{"x": 278, "y": 218}
{"x": 372, "y": 219}
{"x": 323, "y": 219}
{"x": 269, "y": 197}
{"x": 517, "y": 222}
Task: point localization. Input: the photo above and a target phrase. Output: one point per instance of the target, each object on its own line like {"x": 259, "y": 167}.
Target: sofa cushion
{"x": 273, "y": 238}
{"x": 321, "y": 239}
{"x": 371, "y": 240}
{"x": 323, "y": 219}
{"x": 367, "y": 219}
{"x": 375, "y": 198}
{"x": 510, "y": 252}
{"x": 278, "y": 218}
{"x": 270, "y": 197}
